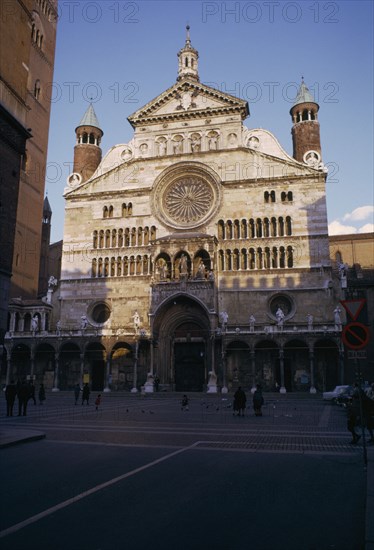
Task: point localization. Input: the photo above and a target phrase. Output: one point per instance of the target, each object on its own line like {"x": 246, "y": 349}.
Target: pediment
{"x": 188, "y": 99}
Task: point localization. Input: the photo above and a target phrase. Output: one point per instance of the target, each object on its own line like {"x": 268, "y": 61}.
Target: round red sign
{"x": 355, "y": 335}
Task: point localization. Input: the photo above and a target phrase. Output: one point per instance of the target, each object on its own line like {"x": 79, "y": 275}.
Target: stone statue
{"x": 200, "y": 274}
{"x": 35, "y": 323}
{"x": 136, "y": 321}
{"x": 162, "y": 270}
{"x": 252, "y": 321}
{"x": 224, "y": 318}
{"x": 280, "y": 317}
{"x": 58, "y": 327}
{"x": 213, "y": 143}
{"x": 84, "y": 322}
{"x": 52, "y": 281}
{"x": 183, "y": 265}
{"x": 161, "y": 148}
{"x": 195, "y": 144}
{"x": 309, "y": 319}
{"x": 337, "y": 318}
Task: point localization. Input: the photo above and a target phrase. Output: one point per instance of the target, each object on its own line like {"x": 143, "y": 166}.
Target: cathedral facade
{"x": 197, "y": 254}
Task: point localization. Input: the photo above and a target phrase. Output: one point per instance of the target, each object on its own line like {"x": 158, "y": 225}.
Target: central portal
{"x": 189, "y": 366}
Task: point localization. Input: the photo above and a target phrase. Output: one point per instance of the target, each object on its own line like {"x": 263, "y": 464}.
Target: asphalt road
{"x": 162, "y": 479}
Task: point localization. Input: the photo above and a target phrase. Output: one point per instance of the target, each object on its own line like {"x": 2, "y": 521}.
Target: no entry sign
{"x": 355, "y": 335}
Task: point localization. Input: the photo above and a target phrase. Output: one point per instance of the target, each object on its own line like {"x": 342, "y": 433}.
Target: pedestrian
{"x": 368, "y": 414}
{"x": 156, "y": 382}
{"x": 258, "y": 401}
{"x": 10, "y": 396}
{"x": 32, "y": 391}
{"x": 77, "y": 390}
{"x": 240, "y": 400}
{"x": 23, "y": 395}
{"x": 98, "y": 401}
{"x": 353, "y": 416}
{"x": 41, "y": 394}
{"x": 86, "y": 394}
{"x": 184, "y": 404}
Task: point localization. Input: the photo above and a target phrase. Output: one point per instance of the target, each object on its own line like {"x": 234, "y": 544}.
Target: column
{"x": 8, "y": 377}
{"x": 252, "y": 354}
{"x": 223, "y": 357}
{"x": 281, "y": 361}
{"x": 81, "y": 356}
{"x": 311, "y": 363}
{"x": 108, "y": 374}
{"x": 55, "y": 379}
{"x": 341, "y": 364}
{"x": 212, "y": 381}
{"x": 135, "y": 381}
{"x": 32, "y": 363}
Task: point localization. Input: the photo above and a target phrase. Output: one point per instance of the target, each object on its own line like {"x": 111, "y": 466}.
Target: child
{"x": 98, "y": 401}
{"x": 184, "y": 406}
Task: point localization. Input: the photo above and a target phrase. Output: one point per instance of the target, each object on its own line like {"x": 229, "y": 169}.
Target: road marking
{"x": 84, "y": 494}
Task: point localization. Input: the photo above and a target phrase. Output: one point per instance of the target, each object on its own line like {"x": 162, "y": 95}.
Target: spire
{"x": 304, "y": 95}
{"x": 90, "y": 118}
{"x": 46, "y": 207}
{"x": 188, "y": 56}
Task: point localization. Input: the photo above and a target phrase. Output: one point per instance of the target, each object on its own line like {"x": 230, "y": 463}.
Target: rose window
{"x": 187, "y": 200}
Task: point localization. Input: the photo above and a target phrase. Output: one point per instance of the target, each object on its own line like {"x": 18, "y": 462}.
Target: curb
{"x": 11, "y": 439}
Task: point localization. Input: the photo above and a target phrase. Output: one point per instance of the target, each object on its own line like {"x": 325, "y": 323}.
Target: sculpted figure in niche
{"x": 35, "y": 323}
{"x": 143, "y": 149}
{"x": 178, "y": 146}
{"x": 309, "y": 319}
{"x": 337, "y": 318}
{"x": 162, "y": 269}
{"x": 224, "y": 318}
{"x": 280, "y": 317}
{"x": 253, "y": 142}
{"x": 195, "y": 143}
{"x": 161, "y": 147}
{"x": 136, "y": 319}
{"x": 231, "y": 140}
{"x": 213, "y": 142}
{"x": 84, "y": 322}
{"x": 183, "y": 268}
{"x": 252, "y": 321}
{"x": 200, "y": 273}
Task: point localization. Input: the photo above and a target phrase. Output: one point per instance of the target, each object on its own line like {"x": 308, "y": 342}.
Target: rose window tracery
{"x": 187, "y": 200}
{"x": 186, "y": 196}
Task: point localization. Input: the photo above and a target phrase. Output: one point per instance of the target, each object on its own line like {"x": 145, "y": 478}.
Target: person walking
{"x": 240, "y": 400}
{"x": 98, "y": 401}
{"x": 32, "y": 391}
{"x": 86, "y": 394}
{"x": 77, "y": 390}
{"x": 10, "y": 396}
{"x": 23, "y": 395}
{"x": 354, "y": 417}
{"x": 41, "y": 394}
{"x": 258, "y": 401}
{"x": 184, "y": 404}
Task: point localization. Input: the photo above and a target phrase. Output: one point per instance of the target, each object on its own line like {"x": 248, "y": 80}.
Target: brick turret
{"x": 87, "y": 152}
{"x": 305, "y": 131}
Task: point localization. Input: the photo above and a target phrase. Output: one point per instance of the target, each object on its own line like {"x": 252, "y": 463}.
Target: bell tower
{"x": 188, "y": 59}
{"x": 87, "y": 151}
{"x": 305, "y": 130}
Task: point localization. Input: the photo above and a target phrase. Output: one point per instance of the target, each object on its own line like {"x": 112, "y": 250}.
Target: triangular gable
{"x": 189, "y": 99}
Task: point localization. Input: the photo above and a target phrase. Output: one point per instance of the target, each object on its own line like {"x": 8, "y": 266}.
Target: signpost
{"x": 355, "y": 336}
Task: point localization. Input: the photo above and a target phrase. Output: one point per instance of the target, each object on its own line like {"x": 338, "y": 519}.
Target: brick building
{"x": 27, "y": 43}
{"x": 197, "y": 252}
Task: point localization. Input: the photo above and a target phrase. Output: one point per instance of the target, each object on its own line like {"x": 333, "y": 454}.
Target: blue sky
{"x": 123, "y": 54}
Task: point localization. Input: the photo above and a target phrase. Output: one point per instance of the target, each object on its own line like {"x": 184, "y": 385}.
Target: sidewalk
{"x": 15, "y": 436}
